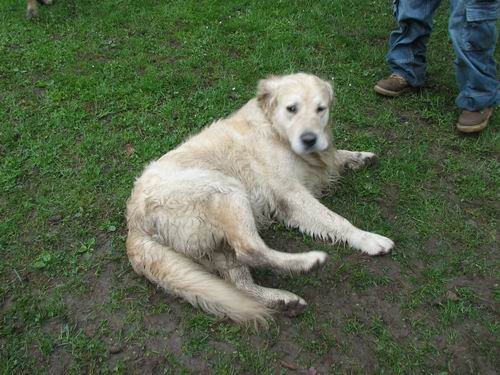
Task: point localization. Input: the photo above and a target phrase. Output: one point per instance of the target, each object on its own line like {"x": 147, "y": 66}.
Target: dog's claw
{"x": 293, "y": 307}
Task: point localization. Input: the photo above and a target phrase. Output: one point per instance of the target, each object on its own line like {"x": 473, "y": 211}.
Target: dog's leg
{"x": 32, "y": 9}
{"x": 354, "y": 159}
{"x": 236, "y": 220}
{"x": 275, "y": 299}
{"x": 299, "y": 209}
{"x": 239, "y": 275}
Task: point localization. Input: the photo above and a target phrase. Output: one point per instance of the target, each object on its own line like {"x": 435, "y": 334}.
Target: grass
{"x": 92, "y": 91}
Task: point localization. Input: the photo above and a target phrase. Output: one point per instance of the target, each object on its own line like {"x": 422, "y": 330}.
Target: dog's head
{"x": 298, "y": 107}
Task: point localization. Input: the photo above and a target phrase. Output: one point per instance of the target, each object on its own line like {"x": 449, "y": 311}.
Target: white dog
{"x": 194, "y": 214}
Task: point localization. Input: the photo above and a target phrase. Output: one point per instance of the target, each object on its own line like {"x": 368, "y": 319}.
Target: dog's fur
{"x": 194, "y": 213}
{"x": 32, "y": 7}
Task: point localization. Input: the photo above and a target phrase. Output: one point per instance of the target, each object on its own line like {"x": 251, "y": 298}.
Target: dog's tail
{"x": 181, "y": 276}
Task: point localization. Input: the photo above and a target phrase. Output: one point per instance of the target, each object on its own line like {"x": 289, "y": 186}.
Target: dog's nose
{"x": 308, "y": 139}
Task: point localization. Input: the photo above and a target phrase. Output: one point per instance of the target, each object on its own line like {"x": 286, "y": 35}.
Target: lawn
{"x": 93, "y": 90}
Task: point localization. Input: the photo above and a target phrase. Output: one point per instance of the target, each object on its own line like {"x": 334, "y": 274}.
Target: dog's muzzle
{"x": 308, "y": 139}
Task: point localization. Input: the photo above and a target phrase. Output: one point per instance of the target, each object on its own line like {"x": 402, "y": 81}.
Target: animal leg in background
{"x": 32, "y": 7}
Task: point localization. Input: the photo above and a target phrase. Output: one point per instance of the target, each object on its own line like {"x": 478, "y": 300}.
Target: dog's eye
{"x": 320, "y": 109}
{"x": 292, "y": 108}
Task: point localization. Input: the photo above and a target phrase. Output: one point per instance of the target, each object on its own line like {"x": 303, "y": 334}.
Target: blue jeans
{"x": 472, "y": 29}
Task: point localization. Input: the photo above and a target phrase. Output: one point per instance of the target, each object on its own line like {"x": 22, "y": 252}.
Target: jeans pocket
{"x": 480, "y": 26}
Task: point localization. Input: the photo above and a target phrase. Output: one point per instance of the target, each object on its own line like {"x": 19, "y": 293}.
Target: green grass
{"x": 92, "y": 91}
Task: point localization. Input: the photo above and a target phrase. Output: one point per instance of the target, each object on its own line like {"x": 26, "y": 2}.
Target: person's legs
{"x": 472, "y": 29}
{"x": 407, "y": 44}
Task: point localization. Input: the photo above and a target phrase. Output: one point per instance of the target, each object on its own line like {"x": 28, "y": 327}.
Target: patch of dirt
{"x": 157, "y": 59}
{"x": 338, "y": 303}
{"x": 461, "y": 355}
{"x": 87, "y": 311}
{"x": 53, "y": 327}
{"x": 7, "y": 305}
{"x": 406, "y": 117}
{"x": 174, "y": 43}
{"x": 168, "y": 321}
{"x": 141, "y": 70}
{"x": 234, "y": 53}
{"x": 60, "y": 361}
{"x": 389, "y": 203}
{"x": 333, "y": 304}
{"x": 432, "y": 245}
{"x": 384, "y": 266}
{"x": 129, "y": 149}
{"x": 483, "y": 290}
{"x": 39, "y": 91}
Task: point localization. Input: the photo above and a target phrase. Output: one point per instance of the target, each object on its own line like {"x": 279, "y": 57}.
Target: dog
{"x": 194, "y": 214}
{"x": 32, "y": 7}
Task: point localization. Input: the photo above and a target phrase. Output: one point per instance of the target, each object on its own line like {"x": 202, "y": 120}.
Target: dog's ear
{"x": 328, "y": 87}
{"x": 266, "y": 93}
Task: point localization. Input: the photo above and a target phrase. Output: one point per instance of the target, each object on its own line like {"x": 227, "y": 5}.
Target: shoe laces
{"x": 398, "y": 78}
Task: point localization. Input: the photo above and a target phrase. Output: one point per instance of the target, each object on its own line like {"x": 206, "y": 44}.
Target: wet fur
{"x": 194, "y": 214}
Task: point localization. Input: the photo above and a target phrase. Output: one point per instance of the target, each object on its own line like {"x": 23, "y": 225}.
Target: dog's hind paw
{"x": 292, "y": 307}
{"x": 316, "y": 260}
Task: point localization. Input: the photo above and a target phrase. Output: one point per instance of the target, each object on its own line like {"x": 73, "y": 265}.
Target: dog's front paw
{"x": 360, "y": 159}
{"x": 372, "y": 244}
{"x": 369, "y": 158}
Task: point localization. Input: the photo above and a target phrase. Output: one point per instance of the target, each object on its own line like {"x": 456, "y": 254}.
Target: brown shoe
{"x": 395, "y": 85}
{"x": 471, "y": 122}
